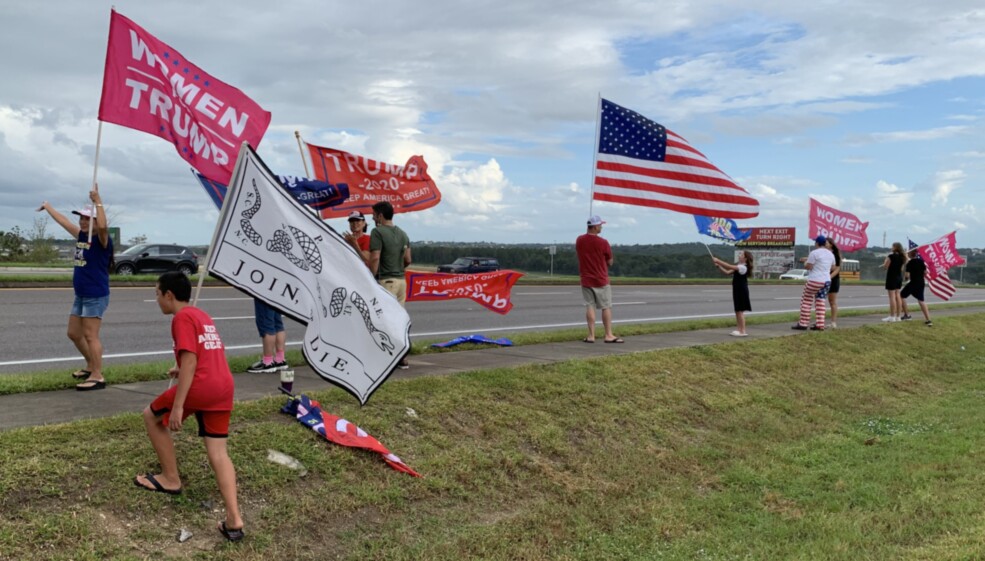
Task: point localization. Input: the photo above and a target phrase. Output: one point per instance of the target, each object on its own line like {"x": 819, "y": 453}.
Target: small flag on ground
{"x": 339, "y": 431}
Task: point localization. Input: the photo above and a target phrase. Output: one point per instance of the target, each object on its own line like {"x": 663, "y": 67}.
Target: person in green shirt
{"x": 389, "y": 255}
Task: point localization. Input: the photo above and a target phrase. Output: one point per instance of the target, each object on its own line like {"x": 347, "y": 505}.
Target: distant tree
{"x": 11, "y": 244}
{"x": 41, "y": 243}
{"x": 137, "y": 240}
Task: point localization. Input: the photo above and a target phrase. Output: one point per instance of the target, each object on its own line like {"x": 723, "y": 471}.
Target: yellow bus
{"x": 850, "y": 269}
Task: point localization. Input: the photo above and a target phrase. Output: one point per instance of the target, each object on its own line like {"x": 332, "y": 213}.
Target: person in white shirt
{"x": 819, "y": 263}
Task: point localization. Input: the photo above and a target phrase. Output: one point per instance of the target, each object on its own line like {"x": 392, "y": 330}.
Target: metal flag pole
{"x": 595, "y": 154}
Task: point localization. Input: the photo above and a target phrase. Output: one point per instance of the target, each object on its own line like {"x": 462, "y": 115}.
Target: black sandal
{"x": 231, "y": 534}
{"x": 80, "y": 374}
{"x": 94, "y": 385}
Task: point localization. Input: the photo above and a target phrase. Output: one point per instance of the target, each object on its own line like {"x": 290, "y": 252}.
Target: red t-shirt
{"x": 594, "y": 254}
{"x": 363, "y": 242}
{"x": 212, "y": 388}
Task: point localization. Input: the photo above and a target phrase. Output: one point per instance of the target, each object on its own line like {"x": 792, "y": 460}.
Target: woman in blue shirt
{"x": 90, "y": 279}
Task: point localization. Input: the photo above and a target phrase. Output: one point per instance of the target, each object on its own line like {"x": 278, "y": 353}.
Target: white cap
{"x": 596, "y": 220}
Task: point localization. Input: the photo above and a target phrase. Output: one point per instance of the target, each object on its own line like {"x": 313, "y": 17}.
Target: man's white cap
{"x": 596, "y": 220}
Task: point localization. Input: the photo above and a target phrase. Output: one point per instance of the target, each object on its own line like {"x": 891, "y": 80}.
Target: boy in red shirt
{"x": 204, "y": 388}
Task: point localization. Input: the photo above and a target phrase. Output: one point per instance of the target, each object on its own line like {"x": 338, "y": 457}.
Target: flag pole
{"x": 595, "y": 154}
{"x": 297, "y": 135}
{"x": 95, "y": 170}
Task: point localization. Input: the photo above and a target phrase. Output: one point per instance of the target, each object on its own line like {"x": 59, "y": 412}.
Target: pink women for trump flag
{"x": 940, "y": 256}
{"x": 151, "y": 87}
{"x": 844, "y": 228}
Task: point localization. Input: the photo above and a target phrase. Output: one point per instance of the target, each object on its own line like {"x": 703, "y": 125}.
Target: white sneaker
{"x": 895, "y": 319}
{"x": 737, "y": 334}
{"x": 834, "y": 325}
{"x": 887, "y": 319}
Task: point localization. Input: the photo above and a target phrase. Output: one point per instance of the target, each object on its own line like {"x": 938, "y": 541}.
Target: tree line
{"x": 685, "y": 260}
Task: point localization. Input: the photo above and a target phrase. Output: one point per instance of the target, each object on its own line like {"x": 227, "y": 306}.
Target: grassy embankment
{"x": 845, "y": 445}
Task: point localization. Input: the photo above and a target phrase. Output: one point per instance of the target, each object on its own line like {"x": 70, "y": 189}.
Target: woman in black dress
{"x": 740, "y": 272}
{"x": 835, "y": 283}
{"x": 894, "y": 281}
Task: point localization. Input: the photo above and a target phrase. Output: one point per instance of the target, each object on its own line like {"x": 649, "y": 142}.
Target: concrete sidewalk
{"x": 63, "y": 406}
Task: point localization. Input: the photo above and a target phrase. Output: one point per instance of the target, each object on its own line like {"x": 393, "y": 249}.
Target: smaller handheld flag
{"x": 724, "y": 229}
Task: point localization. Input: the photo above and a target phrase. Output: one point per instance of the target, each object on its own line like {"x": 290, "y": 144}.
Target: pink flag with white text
{"x": 844, "y": 228}
{"x": 940, "y": 256}
{"x": 149, "y": 86}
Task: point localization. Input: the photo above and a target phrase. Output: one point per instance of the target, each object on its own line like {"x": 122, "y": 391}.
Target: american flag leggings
{"x": 809, "y": 298}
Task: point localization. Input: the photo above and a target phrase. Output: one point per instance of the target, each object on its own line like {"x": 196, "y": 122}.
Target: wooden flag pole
{"x": 297, "y": 135}
{"x": 95, "y": 171}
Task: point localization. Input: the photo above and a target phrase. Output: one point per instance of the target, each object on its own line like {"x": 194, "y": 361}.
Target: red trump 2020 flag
{"x": 408, "y": 187}
{"x": 844, "y": 228}
{"x": 639, "y": 162}
{"x": 151, "y": 87}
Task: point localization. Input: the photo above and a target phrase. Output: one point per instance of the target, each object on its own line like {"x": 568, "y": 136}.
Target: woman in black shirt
{"x": 894, "y": 281}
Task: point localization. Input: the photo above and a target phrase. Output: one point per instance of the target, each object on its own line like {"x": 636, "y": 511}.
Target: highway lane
{"x": 134, "y": 330}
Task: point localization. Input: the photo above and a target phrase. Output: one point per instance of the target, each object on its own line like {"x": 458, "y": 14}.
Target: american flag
{"x": 940, "y": 285}
{"x": 642, "y": 163}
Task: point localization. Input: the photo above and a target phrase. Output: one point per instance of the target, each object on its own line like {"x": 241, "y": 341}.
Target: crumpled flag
{"x": 309, "y": 413}
{"x": 474, "y": 339}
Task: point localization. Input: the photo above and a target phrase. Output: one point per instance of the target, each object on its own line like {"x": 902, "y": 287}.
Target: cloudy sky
{"x": 874, "y": 107}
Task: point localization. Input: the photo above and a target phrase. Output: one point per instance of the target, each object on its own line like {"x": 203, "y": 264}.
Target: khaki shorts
{"x": 397, "y": 287}
{"x": 600, "y": 297}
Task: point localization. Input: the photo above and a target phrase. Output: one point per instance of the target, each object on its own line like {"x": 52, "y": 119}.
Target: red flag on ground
{"x": 940, "y": 256}
{"x": 844, "y": 228}
{"x": 151, "y": 87}
{"x": 639, "y": 162}
{"x": 490, "y": 290}
{"x": 335, "y": 429}
{"x": 407, "y": 188}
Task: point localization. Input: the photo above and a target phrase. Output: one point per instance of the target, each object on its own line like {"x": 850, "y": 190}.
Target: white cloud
{"x": 893, "y": 198}
{"x": 945, "y": 182}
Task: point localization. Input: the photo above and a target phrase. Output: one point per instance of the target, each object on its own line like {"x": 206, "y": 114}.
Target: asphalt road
{"x": 134, "y": 330}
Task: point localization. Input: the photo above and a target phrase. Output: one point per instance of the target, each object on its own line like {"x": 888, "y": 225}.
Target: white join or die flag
{"x": 269, "y": 246}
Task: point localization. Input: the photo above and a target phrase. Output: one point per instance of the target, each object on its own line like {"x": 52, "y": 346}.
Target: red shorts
{"x": 213, "y": 424}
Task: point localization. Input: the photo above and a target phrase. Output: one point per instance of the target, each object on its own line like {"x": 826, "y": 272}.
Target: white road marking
{"x": 627, "y": 303}
{"x": 170, "y": 352}
{"x": 211, "y": 299}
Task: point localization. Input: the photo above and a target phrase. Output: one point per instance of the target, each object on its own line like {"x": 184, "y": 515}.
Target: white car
{"x": 795, "y": 274}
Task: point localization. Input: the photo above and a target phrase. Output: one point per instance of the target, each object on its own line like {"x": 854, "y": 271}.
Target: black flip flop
{"x": 80, "y": 374}
{"x": 158, "y": 488}
{"x": 616, "y": 340}
{"x": 96, "y": 385}
{"x": 231, "y": 534}
{"x": 587, "y": 340}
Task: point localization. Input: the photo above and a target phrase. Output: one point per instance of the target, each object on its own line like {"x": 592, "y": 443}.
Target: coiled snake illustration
{"x": 336, "y": 305}
{"x": 282, "y": 243}
{"x": 249, "y": 213}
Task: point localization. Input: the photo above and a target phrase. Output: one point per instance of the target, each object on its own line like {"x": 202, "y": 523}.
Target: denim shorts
{"x": 269, "y": 320}
{"x": 85, "y": 307}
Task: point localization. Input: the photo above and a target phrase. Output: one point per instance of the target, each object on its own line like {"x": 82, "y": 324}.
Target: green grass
{"x": 844, "y": 445}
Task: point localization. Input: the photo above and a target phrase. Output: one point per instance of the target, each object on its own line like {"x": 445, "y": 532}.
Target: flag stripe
{"x": 639, "y": 162}
{"x": 709, "y": 202}
{"x": 691, "y": 174}
{"x": 684, "y": 205}
{"x": 942, "y": 287}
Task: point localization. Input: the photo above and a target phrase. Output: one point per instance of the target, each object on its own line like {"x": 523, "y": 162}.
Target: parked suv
{"x": 469, "y": 265}
{"x": 156, "y": 258}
